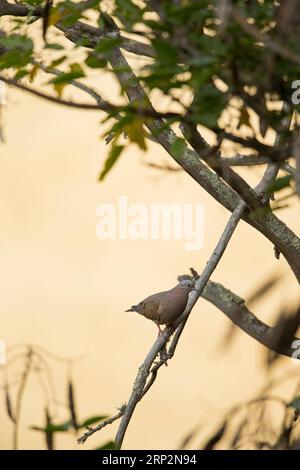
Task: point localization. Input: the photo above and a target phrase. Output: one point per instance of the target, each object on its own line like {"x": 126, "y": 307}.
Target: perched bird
{"x": 165, "y": 307}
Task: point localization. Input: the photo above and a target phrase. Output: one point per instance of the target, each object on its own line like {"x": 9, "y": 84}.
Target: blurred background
{"x": 64, "y": 290}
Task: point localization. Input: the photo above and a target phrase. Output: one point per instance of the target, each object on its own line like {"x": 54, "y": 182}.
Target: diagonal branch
{"x": 266, "y": 40}
{"x": 144, "y": 370}
{"x": 212, "y": 158}
{"x": 235, "y": 309}
{"x": 91, "y": 430}
{"x": 81, "y": 86}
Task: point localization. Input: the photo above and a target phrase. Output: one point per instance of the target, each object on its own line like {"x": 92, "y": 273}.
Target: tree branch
{"x": 235, "y": 309}
{"x": 277, "y": 154}
{"x": 81, "y": 86}
{"x": 268, "y": 42}
{"x": 78, "y": 30}
{"x": 102, "y": 105}
{"x": 213, "y": 159}
{"x": 141, "y": 386}
{"x": 141, "y": 378}
{"x": 91, "y": 430}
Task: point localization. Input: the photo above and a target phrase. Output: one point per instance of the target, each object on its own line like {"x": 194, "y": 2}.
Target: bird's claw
{"x": 163, "y": 354}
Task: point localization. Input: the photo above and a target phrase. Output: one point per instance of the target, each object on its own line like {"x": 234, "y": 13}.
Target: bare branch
{"x": 91, "y": 430}
{"x": 288, "y": 168}
{"x": 235, "y": 309}
{"x": 79, "y": 29}
{"x": 166, "y": 167}
{"x": 101, "y": 105}
{"x": 144, "y": 369}
{"x": 140, "y": 385}
{"x": 277, "y": 154}
{"x": 212, "y": 158}
{"x": 246, "y": 160}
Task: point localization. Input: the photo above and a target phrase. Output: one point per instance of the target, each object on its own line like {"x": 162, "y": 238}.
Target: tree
{"x": 223, "y": 66}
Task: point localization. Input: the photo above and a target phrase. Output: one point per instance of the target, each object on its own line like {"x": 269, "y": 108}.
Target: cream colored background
{"x": 63, "y": 288}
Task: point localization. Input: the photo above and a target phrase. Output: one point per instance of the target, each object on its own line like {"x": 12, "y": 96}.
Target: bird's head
{"x": 187, "y": 285}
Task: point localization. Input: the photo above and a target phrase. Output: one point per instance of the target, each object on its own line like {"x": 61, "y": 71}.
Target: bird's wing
{"x": 172, "y": 306}
{"x": 150, "y": 306}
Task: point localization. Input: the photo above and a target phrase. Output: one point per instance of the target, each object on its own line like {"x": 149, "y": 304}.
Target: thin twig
{"x": 103, "y": 106}
{"x": 19, "y": 398}
{"x": 90, "y": 431}
{"x": 141, "y": 387}
{"x": 81, "y": 86}
{"x": 212, "y": 158}
{"x": 141, "y": 378}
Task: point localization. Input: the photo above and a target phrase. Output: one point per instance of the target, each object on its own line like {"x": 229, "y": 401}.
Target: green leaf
{"x": 111, "y": 160}
{"x": 54, "y": 46}
{"x": 33, "y": 72}
{"x": 75, "y": 72}
{"x": 20, "y": 74}
{"x": 201, "y": 61}
{"x": 17, "y": 41}
{"x": 280, "y": 184}
{"x": 208, "y": 106}
{"x": 16, "y": 51}
{"x": 92, "y": 420}
{"x": 64, "y": 427}
{"x": 107, "y": 44}
{"x": 165, "y": 51}
{"x": 95, "y": 61}
{"x": 110, "y": 445}
{"x": 59, "y": 88}
{"x": 295, "y": 403}
{"x": 136, "y": 133}
{"x": 58, "y": 61}
{"x": 178, "y": 147}
{"x": 120, "y": 125}
{"x": 76, "y": 68}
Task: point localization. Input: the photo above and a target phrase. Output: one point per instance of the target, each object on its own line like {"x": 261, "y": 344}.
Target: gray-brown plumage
{"x": 165, "y": 307}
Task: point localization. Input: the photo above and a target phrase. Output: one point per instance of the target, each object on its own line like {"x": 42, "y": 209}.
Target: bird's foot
{"x": 160, "y": 331}
{"x": 163, "y": 354}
